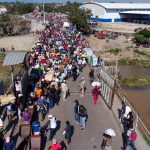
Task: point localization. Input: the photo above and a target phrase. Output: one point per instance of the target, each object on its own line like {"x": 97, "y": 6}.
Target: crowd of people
{"x": 57, "y": 56}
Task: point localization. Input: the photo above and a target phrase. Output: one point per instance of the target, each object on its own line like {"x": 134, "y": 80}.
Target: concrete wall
{"x": 3, "y": 10}
{"x": 101, "y": 14}
{"x": 95, "y": 9}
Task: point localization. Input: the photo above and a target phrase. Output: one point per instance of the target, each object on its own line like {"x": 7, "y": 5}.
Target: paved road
{"x": 99, "y": 119}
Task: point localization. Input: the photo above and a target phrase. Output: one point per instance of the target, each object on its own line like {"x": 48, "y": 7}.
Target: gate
{"x": 107, "y": 86}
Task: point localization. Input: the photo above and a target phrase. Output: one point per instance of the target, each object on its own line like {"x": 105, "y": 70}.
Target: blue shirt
{"x": 36, "y": 126}
{"x": 41, "y": 102}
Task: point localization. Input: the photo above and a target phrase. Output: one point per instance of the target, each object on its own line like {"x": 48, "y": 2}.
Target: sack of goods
{"x": 5, "y": 99}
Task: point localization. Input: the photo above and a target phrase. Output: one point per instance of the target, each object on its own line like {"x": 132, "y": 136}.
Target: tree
{"x": 76, "y": 15}
{"x": 142, "y": 36}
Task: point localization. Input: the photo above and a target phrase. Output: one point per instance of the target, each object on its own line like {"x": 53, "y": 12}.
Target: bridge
{"x": 101, "y": 116}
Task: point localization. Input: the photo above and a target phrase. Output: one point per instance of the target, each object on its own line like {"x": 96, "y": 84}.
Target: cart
{"x": 35, "y": 142}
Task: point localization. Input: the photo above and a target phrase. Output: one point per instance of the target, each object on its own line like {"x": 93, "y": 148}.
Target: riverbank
{"x": 117, "y": 50}
{"x": 136, "y": 70}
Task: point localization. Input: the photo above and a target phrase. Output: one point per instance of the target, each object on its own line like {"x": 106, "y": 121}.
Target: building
{"x": 118, "y": 12}
{"x": 3, "y": 10}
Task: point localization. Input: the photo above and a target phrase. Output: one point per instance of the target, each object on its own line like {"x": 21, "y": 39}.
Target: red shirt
{"x": 56, "y": 146}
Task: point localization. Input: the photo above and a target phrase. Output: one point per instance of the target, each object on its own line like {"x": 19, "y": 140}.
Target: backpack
{"x": 133, "y": 135}
{"x": 84, "y": 112}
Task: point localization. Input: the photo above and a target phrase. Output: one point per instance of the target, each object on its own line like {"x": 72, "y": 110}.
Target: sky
{"x": 63, "y": 1}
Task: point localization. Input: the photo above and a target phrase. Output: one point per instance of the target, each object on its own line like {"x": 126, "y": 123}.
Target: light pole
{"x": 44, "y": 15}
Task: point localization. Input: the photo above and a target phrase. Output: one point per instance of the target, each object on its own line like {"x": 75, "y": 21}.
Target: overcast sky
{"x": 60, "y": 1}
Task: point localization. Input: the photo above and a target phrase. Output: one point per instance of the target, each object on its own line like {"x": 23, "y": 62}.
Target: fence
{"x": 6, "y": 78}
{"x": 110, "y": 89}
{"x": 107, "y": 86}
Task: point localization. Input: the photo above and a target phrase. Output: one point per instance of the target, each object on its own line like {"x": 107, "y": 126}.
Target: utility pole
{"x": 44, "y": 15}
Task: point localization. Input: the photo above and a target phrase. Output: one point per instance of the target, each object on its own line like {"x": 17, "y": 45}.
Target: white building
{"x": 3, "y": 10}
{"x": 117, "y": 12}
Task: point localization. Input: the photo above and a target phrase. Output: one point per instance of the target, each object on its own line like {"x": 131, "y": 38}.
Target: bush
{"x": 4, "y": 18}
{"x": 147, "y": 138}
{"x": 139, "y": 52}
{"x": 142, "y": 36}
{"x": 135, "y": 62}
{"x": 135, "y": 81}
{"x": 115, "y": 51}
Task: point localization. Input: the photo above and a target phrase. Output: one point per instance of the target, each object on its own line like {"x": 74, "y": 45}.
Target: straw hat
{"x": 50, "y": 116}
{"x": 83, "y": 78}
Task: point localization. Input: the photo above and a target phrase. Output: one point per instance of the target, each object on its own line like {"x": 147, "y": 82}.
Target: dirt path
{"x": 20, "y": 43}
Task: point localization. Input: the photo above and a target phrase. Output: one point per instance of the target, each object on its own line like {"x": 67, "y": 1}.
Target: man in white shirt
{"x": 64, "y": 90}
{"x": 53, "y": 126}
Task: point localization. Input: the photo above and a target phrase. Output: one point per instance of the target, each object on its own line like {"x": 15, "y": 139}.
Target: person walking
{"x": 64, "y": 90}
{"x": 82, "y": 87}
{"x": 95, "y": 93}
{"x": 122, "y": 112}
{"x": 54, "y": 145}
{"x": 53, "y": 126}
{"x": 9, "y": 144}
{"x": 9, "y": 111}
{"x": 129, "y": 139}
{"x": 76, "y": 111}
{"x": 91, "y": 75}
{"x": 107, "y": 142}
{"x": 83, "y": 116}
{"x": 36, "y": 127}
{"x": 68, "y": 132}
{"x": 130, "y": 120}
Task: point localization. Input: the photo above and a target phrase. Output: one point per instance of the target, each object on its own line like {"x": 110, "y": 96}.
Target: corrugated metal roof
{"x": 14, "y": 58}
{"x": 123, "y": 5}
{"x": 136, "y": 12}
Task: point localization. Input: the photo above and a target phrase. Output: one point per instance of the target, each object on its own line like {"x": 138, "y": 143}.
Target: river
{"x": 139, "y": 97}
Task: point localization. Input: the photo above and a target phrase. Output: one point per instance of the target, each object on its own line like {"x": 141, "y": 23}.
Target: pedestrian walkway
{"x": 99, "y": 119}
{"x": 45, "y": 64}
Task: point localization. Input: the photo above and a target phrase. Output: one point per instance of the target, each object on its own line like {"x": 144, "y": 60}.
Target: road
{"x": 99, "y": 119}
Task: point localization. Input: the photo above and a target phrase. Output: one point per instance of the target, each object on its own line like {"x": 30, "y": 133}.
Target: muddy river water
{"x": 139, "y": 97}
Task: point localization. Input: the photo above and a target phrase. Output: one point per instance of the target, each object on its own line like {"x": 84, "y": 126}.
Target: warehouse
{"x": 118, "y": 12}
{"x": 3, "y": 10}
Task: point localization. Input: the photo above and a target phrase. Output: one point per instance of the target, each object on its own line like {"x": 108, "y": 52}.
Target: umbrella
{"x": 128, "y": 109}
{"x": 63, "y": 51}
{"x": 110, "y": 132}
{"x": 96, "y": 84}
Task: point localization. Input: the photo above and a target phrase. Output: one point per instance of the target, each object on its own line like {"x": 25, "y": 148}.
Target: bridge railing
{"x": 138, "y": 121}
{"x": 110, "y": 88}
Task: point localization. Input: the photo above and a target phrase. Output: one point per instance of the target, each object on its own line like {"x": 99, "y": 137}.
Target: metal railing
{"x": 138, "y": 121}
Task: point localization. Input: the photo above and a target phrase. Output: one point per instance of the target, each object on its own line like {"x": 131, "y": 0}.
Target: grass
{"x": 147, "y": 138}
{"x": 137, "y": 51}
{"x": 136, "y": 62}
{"x": 115, "y": 51}
{"x": 135, "y": 81}
{"x": 2, "y": 55}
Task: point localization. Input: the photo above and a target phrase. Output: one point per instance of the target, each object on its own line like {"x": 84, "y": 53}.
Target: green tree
{"x": 76, "y": 15}
{"x": 142, "y": 36}
{"x": 4, "y": 18}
